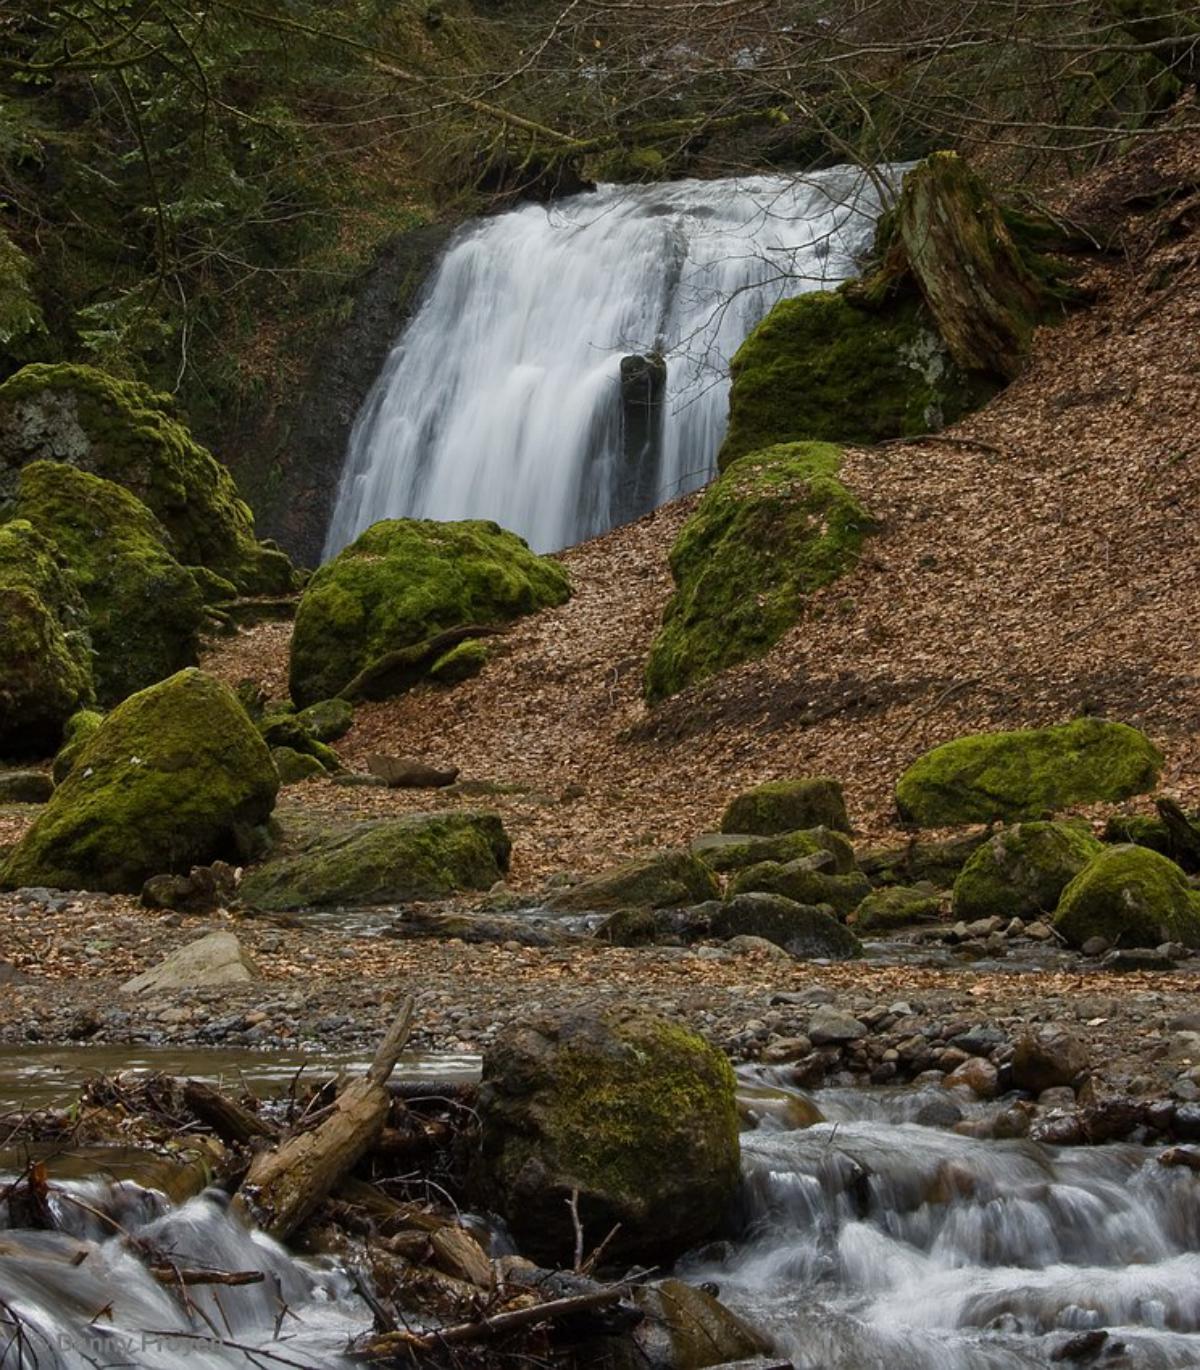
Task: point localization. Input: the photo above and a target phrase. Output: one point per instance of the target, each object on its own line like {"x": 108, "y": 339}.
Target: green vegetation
{"x": 784, "y": 806}
{"x": 45, "y": 652}
{"x": 79, "y": 731}
{"x": 1027, "y": 774}
{"x": 1021, "y": 871}
{"x": 175, "y": 776}
{"x": 382, "y": 608}
{"x": 144, "y": 609}
{"x": 776, "y": 526}
{"x": 1130, "y": 896}
{"x": 460, "y": 663}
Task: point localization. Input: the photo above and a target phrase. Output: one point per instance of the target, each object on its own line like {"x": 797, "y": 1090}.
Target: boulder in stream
{"x": 635, "y": 1114}
{"x": 801, "y": 929}
{"x": 1132, "y": 897}
{"x": 1021, "y": 871}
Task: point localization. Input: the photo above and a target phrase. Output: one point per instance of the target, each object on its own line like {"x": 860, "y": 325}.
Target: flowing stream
{"x": 875, "y": 1242}
{"x": 504, "y": 397}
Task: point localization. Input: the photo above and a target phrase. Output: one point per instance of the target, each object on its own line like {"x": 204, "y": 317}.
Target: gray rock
{"x": 830, "y": 1026}
{"x": 1051, "y": 1057}
{"x": 215, "y": 961}
{"x": 25, "y": 787}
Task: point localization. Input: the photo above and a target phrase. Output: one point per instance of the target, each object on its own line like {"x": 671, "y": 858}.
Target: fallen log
{"x": 285, "y": 1186}
{"x": 231, "y": 1122}
{"x": 170, "y": 1274}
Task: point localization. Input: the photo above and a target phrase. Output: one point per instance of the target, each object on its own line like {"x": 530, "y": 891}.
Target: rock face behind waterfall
{"x": 636, "y": 1114}
{"x": 175, "y": 776}
{"x": 377, "y": 618}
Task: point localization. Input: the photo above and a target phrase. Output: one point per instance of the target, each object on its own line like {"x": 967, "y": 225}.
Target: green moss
{"x": 144, "y": 608}
{"x": 1130, "y": 896}
{"x": 125, "y": 432}
{"x": 784, "y": 806}
{"x": 401, "y": 585}
{"x": 725, "y": 852}
{"x": 897, "y": 906}
{"x": 328, "y": 719}
{"x": 80, "y": 730}
{"x": 294, "y": 766}
{"x": 775, "y": 527}
{"x": 831, "y": 367}
{"x": 667, "y": 879}
{"x": 285, "y": 730}
{"x": 796, "y": 880}
{"x": 213, "y": 588}
{"x": 45, "y": 652}
{"x": 1139, "y": 829}
{"x": 418, "y": 856}
{"x": 1021, "y": 871}
{"x": 799, "y": 926}
{"x": 22, "y": 326}
{"x": 1027, "y": 774}
{"x": 175, "y": 776}
{"x": 933, "y": 863}
{"x": 460, "y": 663}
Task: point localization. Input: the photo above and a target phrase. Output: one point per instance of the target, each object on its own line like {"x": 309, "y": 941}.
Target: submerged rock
{"x": 174, "y": 777}
{"x": 382, "y": 861}
{"x": 783, "y": 806}
{"x": 1132, "y": 897}
{"x": 374, "y": 620}
{"x": 1027, "y": 774}
{"x": 776, "y": 526}
{"x": 1022, "y": 870}
{"x": 667, "y": 879}
{"x": 213, "y": 962}
{"x": 686, "y": 1328}
{"x": 803, "y": 930}
{"x": 45, "y": 652}
{"x": 636, "y": 1114}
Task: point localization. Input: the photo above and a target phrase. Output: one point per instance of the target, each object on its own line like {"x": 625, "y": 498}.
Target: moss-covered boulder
{"x": 895, "y": 906}
{"x": 918, "y": 863}
{"x": 1021, "y": 871}
{"x": 665, "y": 879}
{"x": 1132, "y": 897}
{"x": 460, "y": 663}
{"x": 127, "y": 433}
{"x": 807, "y": 930}
{"x": 374, "y": 620}
{"x": 831, "y": 366}
{"x": 289, "y": 731}
{"x": 733, "y": 851}
{"x": 380, "y": 861}
{"x": 294, "y": 766}
{"x": 1027, "y": 774}
{"x": 784, "y": 806}
{"x": 45, "y": 652}
{"x": 799, "y": 881}
{"x": 776, "y": 526}
{"x": 79, "y": 730}
{"x": 328, "y": 720}
{"x": 636, "y": 1114}
{"x": 144, "y": 609}
{"x": 176, "y": 776}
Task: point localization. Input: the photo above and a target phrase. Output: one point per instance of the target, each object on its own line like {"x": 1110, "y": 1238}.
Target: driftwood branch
{"x": 170, "y": 1274}
{"x": 227, "y": 1118}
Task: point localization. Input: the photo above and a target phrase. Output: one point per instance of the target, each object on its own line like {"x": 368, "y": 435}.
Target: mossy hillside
{"x": 775, "y": 527}
{"x": 1027, "y": 774}
{"x": 175, "y": 776}
{"x": 45, "y": 652}
{"x": 144, "y": 609}
{"x": 895, "y": 906}
{"x": 125, "y": 432}
{"x": 1021, "y": 871}
{"x": 404, "y": 582}
{"x": 385, "y": 861}
{"x": 1130, "y": 896}
{"x": 725, "y": 852}
{"x": 783, "y": 806}
{"x": 831, "y": 367}
{"x": 80, "y": 729}
{"x": 637, "y": 1114}
{"x": 798, "y": 881}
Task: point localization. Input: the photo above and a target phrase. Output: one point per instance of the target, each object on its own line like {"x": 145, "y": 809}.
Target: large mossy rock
{"x": 1027, "y": 774}
{"x": 375, "y": 619}
{"x": 144, "y": 609}
{"x": 636, "y": 1114}
{"x": 45, "y": 651}
{"x": 832, "y": 367}
{"x": 734, "y": 851}
{"x": 895, "y": 906}
{"x": 1021, "y": 871}
{"x": 917, "y": 863}
{"x": 776, "y": 526}
{"x": 125, "y": 432}
{"x": 79, "y": 731}
{"x": 806, "y": 930}
{"x": 799, "y": 881}
{"x": 176, "y": 776}
{"x": 1132, "y": 897}
{"x": 380, "y": 861}
{"x": 785, "y": 806}
{"x": 665, "y": 879}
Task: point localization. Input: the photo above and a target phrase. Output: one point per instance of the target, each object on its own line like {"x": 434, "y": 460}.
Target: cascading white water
{"x": 502, "y": 398}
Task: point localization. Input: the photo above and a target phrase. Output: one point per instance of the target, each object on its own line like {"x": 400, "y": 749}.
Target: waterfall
{"x": 504, "y": 397}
